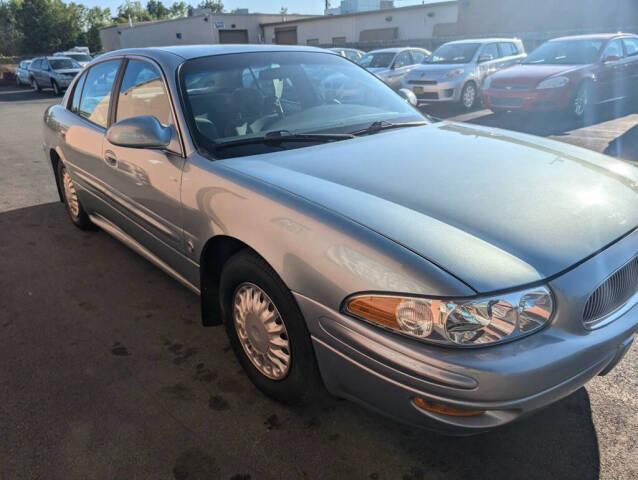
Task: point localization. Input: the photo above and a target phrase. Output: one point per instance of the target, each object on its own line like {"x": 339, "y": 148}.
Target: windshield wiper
{"x": 379, "y": 125}
{"x": 277, "y": 136}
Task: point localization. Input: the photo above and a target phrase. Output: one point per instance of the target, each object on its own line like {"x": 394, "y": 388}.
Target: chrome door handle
{"x": 110, "y": 160}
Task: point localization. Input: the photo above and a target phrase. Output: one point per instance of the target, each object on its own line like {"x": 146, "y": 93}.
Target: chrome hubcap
{"x": 468, "y": 96}
{"x": 261, "y": 331}
{"x": 70, "y": 194}
{"x": 580, "y": 102}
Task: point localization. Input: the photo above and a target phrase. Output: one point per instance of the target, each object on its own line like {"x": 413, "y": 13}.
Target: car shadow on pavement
{"x": 15, "y": 93}
{"x": 105, "y": 360}
{"x": 625, "y": 146}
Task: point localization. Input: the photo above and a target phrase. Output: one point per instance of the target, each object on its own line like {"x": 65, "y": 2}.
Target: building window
{"x": 338, "y": 41}
{"x": 312, "y": 41}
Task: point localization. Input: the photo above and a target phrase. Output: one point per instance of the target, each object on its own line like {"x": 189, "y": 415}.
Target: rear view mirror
{"x": 143, "y": 131}
{"x": 611, "y": 58}
{"x": 486, "y": 57}
{"x": 408, "y": 96}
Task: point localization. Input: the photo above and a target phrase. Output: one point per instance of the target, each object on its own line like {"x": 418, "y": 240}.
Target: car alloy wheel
{"x": 261, "y": 331}
{"x": 70, "y": 194}
{"x": 581, "y": 101}
{"x": 56, "y": 88}
{"x": 34, "y": 85}
{"x": 468, "y": 96}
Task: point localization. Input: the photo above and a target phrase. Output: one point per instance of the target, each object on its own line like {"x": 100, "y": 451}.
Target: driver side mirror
{"x": 143, "y": 131}
{"x": 611, "y": 58}
{"x": 486, "y": 57}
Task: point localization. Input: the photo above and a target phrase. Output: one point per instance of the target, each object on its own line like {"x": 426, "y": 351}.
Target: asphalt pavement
{"x": 106, "y": 372}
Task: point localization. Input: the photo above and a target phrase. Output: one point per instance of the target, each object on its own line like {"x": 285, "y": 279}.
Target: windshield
{"x": 453, "y": 53}
{"x": 230, "y": 97}
{"x": 377, "y": 60}
{"x": 78, "y": 57}
{"x": 565, "y": 52}
{"x": 63, "y": 63}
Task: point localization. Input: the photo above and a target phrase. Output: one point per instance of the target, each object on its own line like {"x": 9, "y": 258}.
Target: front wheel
{"x": 468, "y": 96}
{"x": 71, "y": 200}
{"x": 581, "y": 101}
{"x": 34, "y": 85}
{"x": 56, "y": 87}
{"x": 266, "y": 329}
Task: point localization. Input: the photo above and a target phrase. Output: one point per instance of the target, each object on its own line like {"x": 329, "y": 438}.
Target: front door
{"x": 611, "y": 71}
{"x": 146, "y": 182}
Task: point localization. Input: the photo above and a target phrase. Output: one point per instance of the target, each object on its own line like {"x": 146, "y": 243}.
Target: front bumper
{"x": 548, "y": 99}
{"x": 64, "y": 82}
{"x": 435, "y": 91}
{"x": 384, "y": 371}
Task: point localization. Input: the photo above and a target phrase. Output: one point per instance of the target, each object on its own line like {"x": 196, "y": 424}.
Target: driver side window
{"x": 403, "y": 59}
{"x": 613, "y": 48}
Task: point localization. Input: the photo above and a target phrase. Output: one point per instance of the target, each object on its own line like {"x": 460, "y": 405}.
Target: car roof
{"x": 486, "y": 40}
{"x": 395, "y": 49}
{"x": 195, "y": 51}
{"x": 593, "y": 36}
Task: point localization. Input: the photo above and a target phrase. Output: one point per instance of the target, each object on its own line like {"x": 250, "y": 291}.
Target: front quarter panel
{"x": 315, "y": 251}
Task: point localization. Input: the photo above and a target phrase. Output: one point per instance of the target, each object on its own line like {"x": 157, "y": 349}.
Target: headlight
{"x": 465, "y": 322}
{"x": 454, "y": 73}
{"x": 554, "y": 82}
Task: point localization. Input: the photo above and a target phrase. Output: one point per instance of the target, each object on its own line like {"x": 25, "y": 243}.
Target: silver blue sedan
{"x": 454, "y": 277}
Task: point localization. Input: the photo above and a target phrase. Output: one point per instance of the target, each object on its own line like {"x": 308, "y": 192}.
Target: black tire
{"x": 34, "y": 84}
{"x": 468, "y": 104}
{"x": 302, "y": 379}
{"x": 56, "y": 88}
{"x": 78, "y": 216}
{"x": 581, "y": 102}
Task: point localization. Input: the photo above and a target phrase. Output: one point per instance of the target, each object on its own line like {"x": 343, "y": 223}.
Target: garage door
{"x": 233, "y": 36}
{"x": 286, "y": 36}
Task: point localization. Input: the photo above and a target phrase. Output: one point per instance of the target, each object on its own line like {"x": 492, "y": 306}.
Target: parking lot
{"x": 105, "y": 371}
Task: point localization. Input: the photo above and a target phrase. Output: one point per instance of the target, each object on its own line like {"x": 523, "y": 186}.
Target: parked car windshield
{"x": 453, "y": 53}
{"x": 79, "y": 57}
{"x": 234, "y": 97}
{"x": 63, "y": 63}
{"x": 376, "y": 60}
{"x": 565, "y": 52}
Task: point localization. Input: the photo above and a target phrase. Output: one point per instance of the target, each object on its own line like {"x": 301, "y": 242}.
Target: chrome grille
{"x": 612, "y": 294}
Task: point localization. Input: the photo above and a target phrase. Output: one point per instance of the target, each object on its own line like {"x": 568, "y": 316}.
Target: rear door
{"x": 90, "y": 102}
{"x": 509, "y": 54}
{"x": 146, "y": 182}
{"x": 487, "y": 67}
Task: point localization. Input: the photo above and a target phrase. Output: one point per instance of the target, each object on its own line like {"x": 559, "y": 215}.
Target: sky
{"x": 262, "y": 6}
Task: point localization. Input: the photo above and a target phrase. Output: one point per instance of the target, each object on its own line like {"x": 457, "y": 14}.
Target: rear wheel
{"x": 71, "y": 200}
{"x": 266, "y": 329}
{"x": 468, "y": 96}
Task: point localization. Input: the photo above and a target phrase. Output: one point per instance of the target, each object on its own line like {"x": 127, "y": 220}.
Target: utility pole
{"x": 327, "y": 5}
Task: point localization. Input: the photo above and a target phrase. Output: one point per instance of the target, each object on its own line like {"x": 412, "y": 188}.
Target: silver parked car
{"x": 53, "y": 72}
{"x": 391, "y": 64}
{"x": 452, "y": 276}
{"x": 454, "y": 72}
{"x": 81, "y": 57}
{"x": 350, "y": 53}
{"x": 22, "y": 72}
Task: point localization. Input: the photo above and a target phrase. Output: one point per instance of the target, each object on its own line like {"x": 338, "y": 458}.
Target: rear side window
{"x": 142, "y": 93}
{"x": 96, "y": 95}
{"x": 418, "y": 56}
{"x": 613, "y": 48}
{"x": 77, "y": 93}
{"x": 491, "y": 49}
{"x": 508, "y": 49}
{"x": 631, "y": 46}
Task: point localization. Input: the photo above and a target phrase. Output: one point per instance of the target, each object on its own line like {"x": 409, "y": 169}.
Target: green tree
{"x": 132, "y": 9}
{"x": 179, "y": 9}
{"x": 214, "y": 5}
{"x": 10, "y": 33}
{"x": 48, "y": 25}
{"x": 94, "y": 19}
{"x": 157, "y": 10}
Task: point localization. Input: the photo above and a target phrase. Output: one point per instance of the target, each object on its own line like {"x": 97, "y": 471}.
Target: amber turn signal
{"x": 444, "y": 409}
{"x": 378, "y": 309}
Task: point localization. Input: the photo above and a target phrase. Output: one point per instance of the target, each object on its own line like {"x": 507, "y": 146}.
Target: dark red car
{"x": 568, "y": 73}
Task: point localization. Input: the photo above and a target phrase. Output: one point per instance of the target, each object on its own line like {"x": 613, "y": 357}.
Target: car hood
{"x": 432, "y": 71}
{"x": 68, "y": 70}
{"x": 497, "y": 209}
{"x": 530, "y": 74}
